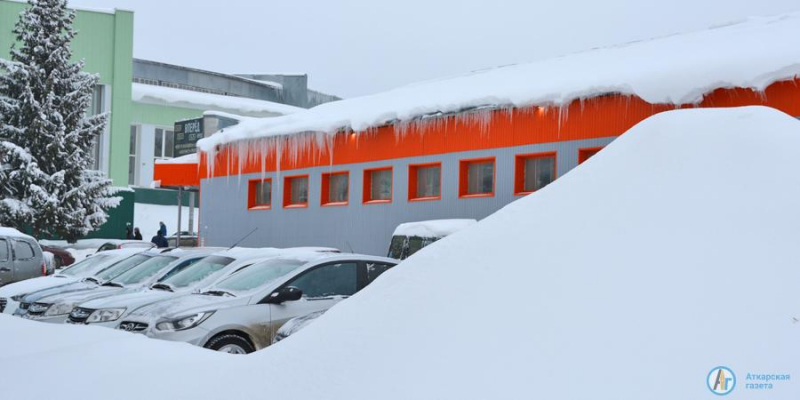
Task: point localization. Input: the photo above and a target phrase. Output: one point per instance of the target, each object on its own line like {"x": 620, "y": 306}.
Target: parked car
{"x": 61, "y": 257}
{"x": 202, "y": 274}
{"x": 20, "y": 257}
{"x": 242, "y": 313}
{"x": 160, "y": 266}
{"x": 11, "y": 295}
{"x": 187, "y": 239}
{"x": 32, "y": 307}
{"x": 115, "y": 244}
{"x": 412, "y": 237}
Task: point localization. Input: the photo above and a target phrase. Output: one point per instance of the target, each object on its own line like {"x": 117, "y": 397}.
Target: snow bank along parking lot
{"x": 670, "y": 253}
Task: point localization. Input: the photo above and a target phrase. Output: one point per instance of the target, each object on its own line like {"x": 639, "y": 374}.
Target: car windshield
{"x": 84, "y": 266}
{"x": 198, "y": 271}
{"x": 258, "y": 275}
{"x": 144, "y": 270}
{"x": 121, "y": 267}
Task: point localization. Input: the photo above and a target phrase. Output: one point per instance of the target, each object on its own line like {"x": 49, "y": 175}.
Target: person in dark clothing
{"x": 159, "y": 240}
{"x": 136, "y": 234}
{"x": 162, "y": 229}
{"x": 128, "y": 232}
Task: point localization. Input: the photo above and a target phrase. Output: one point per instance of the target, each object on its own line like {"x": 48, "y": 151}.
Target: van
{"x": 20, "y": 257}
{"x": 411, "y": 237}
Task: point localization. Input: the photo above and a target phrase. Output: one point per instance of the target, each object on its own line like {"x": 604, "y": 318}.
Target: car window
{"x": 3, "y": 250}
{"x": 143, "y": 271}
{"x": 22, "y": 250}
{"x": 396, "y": 247}
{"x": 199, "y": 271}
{"x": 121, "y": 267}
{"x": 178, "y": 268}
{"x": 374, "y": 270}
{"x": 329, "y": 280}
{"x": 85, "y": 265}
{"x": 259, "y": 275}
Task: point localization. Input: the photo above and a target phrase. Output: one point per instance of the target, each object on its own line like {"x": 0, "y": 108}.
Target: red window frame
{"x": 519, "y": 169}
{"x": 412, "y": 181}
{"x": 587, "y": 152}
{"x": 324, "y": 198}
{"x": 463, "y": 176}
{"x": 287, "y": 191}
{"x": 251, "y": 194}
{"x": 367, "y": 186}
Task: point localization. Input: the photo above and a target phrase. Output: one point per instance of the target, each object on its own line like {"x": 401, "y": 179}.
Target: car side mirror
{"x": 289, "y": 293}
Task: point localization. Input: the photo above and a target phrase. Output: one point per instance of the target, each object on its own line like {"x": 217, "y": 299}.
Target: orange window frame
{"x": 324, "y": 198}
{"x": 367, "y": 186}
{"x": 519, "y": 169}
{"x": 412, "y": 181}
{"x": 251, "y": 195}
{"x": 287, "y": 191}
{"x": 587, "y": 152}
{"x": 463, "y": 177}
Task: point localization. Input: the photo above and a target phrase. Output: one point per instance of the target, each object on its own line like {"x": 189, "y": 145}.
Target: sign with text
{"x": 187, "y": 133}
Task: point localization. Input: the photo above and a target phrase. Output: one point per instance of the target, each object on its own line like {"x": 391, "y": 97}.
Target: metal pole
{"x": 180, "y": 209}
{"x": 191, "y": 213}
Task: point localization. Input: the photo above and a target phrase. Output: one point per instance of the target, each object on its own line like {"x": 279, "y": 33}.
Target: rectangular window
{"x": 295, "y": 191}
{"x": 476, "y": 178}
{"x": 424, "y": 182}
{"x": 95, "y": 108}
{"x": 378, "y": 185}
{"x": 533, "y": 172}
{"x": 585, "y": 154}
{"x": 164, "y": 143}
{"x": 335, "y": 188}
{"x": 259, "y": 194}
{"x": 132, "y": 156}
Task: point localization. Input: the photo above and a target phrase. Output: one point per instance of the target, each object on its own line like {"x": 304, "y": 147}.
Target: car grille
{"x": 79, "y": 315}
{"x": 132, "y": 326}
{"x": 38, "y": 308}
{"x": 3, "y": 302}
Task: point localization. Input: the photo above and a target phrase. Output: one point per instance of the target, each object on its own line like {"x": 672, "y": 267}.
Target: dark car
{"x": 61, "y": 257}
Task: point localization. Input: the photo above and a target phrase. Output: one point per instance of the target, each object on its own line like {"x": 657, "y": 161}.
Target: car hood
{"x": 187, "y": 304}
{"x": 35, "y": 284}
{"x": 130, "y": 300}
{"x": 61, "y": 289}
{"x": 81, "y": 296}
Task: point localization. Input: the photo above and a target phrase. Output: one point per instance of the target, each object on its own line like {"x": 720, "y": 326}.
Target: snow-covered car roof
{"x": 11, "y": 232}
{"x": 433, "y": 228}
{"x": 676, "y": 69}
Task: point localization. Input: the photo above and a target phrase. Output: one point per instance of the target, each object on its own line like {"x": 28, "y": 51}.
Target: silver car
{"x": 11, "y": 295}
{"x": 20, "y": 257}
{"x": 204, "y": 273}
{"x": 241, "y": 314}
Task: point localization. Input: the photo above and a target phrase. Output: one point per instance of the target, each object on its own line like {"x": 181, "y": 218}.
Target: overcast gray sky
{"x": 358, "y": 47}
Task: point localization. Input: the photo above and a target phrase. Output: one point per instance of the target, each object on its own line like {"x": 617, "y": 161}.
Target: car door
{"x": 6, "y": 263}
{"x": 323, "y": 286}
{"x": 25, "y": 262}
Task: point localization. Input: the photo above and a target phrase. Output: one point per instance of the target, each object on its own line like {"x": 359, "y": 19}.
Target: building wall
{"x": 366, "y": 228}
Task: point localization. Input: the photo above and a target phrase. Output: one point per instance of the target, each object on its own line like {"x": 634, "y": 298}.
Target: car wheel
{"x": 230, "y": 343}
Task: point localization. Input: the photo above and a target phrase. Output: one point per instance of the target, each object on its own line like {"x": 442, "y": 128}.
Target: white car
{"x": 205, "y": 272}
{"x": 158, "y": 266}
{"x": 241, "y": 314}
{"x": 11, "y": 295}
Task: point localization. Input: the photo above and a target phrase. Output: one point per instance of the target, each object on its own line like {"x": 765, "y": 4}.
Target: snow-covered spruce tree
{"x": 46, "y": 181}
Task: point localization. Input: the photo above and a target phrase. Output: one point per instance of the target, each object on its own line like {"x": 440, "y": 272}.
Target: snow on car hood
{"x": 185, "y": 305}
{"x": 78, "y": 297}
{"x": 130, "y": 300}
{"x": 60, "y": 289}
{"x": 35, "y": 284}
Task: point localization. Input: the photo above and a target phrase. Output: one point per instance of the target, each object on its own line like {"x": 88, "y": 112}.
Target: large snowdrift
{"x": 677, "y": 69}
{"x": 673, "y": 251}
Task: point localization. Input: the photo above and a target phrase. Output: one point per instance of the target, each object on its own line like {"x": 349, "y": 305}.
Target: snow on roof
{"x": 433, "y": 228}
{"x": 11, "y": 232}
{"x": 187, "y": 159}
{"x": 186, "y": 98}
{"x": 674, "y": 69}
{"x": 667, "y": 254}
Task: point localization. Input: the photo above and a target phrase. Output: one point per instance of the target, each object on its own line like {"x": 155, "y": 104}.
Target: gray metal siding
{"x": 364, "y": 228}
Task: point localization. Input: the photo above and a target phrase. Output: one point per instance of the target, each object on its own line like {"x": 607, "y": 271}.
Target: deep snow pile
{"x": 675, "y": 69}
{"x": 671, "y": 252}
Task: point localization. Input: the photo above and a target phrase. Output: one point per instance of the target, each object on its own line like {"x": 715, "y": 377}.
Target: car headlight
{"x": 105, "y": 315}
{"x": 56, "y": 309}
{"x": 183, "y": 323}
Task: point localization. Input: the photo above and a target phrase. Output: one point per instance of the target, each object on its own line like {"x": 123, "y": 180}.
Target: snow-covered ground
{"x": 671, "y": 252}
{"x": 147, "y": 216}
